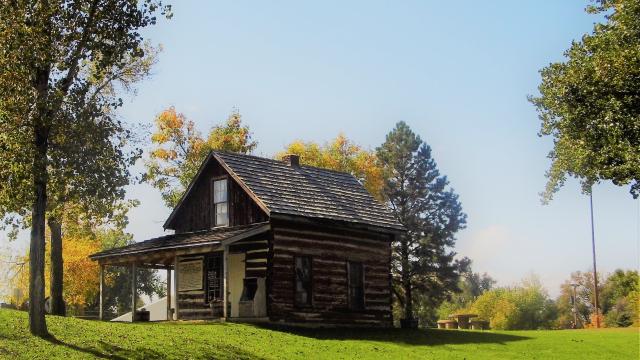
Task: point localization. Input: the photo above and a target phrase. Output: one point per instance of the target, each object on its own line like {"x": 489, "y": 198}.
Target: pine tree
{"x": 421, "y": 199}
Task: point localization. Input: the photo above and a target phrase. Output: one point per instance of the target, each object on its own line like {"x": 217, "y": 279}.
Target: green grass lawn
{"x": 81, "y": 339}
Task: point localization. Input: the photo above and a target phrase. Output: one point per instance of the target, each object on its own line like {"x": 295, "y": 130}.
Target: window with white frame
{"x": 220, "y": 203}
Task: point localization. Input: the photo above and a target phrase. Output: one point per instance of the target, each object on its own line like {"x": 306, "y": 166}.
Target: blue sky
{"x": 457, "y": 72}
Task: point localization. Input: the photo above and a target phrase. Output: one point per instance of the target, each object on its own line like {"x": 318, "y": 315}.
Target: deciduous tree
{"x": 52, "y": 54}
{"x": 583, "y": 299}
{"x": 179, "y": 150}
{"x": 89, "y": 165}
{"x": 620, "y": 298}
{"x": 342, "y": 154}
{"x": 81, "y": 274}
{"x": 523, "y": 307}
{"x": 590, "y": 103}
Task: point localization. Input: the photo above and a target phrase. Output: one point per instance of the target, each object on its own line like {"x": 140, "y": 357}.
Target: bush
{"x": 517, "y": 308}
{"x": 620, "y": 315}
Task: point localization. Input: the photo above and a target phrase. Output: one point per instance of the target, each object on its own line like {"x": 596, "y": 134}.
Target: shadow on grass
{"x": 431, "y": 337}
{"x": 110, "y": 351}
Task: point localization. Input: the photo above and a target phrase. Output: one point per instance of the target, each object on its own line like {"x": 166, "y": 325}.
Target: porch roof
{"x": 183, "y": 241}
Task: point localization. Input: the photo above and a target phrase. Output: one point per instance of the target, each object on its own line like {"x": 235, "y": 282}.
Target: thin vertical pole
{"x": 575, "y": 308}
{"x": 133, "y": 292}
{"x": 177, "y": 286}
{"x": 225, "y": 270}
{"x": 169, "y": 317}
{"x": 595, "y": 272}
{"x": 101, "y": 311}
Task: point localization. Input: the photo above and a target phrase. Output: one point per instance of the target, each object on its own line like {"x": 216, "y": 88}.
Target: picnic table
{"x": 462, "y": 319}
{"x": 477, "y": 324}
{"x": 447, "y": 324}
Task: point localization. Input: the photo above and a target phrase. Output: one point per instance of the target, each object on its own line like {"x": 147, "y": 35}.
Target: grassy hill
{"x": 81, "y": 339}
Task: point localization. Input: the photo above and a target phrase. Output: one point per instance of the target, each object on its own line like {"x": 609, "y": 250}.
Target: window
{"x": 220, "y": 203}
{"x": 214, "y": 277}
{"x": 303, "y": 281}
{"x": 355, "y": 275}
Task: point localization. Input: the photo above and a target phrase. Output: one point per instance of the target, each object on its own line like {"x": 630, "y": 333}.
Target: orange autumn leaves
{"x": 81, "y": 275}
{"x": 179, "y": 149}
{"x": 342, "y": 154}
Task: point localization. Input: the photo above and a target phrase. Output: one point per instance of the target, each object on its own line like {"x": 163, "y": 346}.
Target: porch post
{"x": 177, "y": 286}
{"x": 169, "y": 317}
{"x": 101, "y": 311}
{"x": 133, "y": 292}
{"x": 225, "y": 270}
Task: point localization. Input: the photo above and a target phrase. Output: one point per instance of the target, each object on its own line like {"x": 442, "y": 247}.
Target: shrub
{"x": 517, "y": 308}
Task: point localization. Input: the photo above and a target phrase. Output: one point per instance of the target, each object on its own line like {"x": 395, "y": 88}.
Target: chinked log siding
{"x": 256, "y": 250}
{"x": 191, "y": 306}
{"x": 329, "y": 248}
{"x": 196, "y": 212}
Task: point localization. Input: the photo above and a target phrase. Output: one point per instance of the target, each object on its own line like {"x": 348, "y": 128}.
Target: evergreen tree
{"x": 422, "y": 261}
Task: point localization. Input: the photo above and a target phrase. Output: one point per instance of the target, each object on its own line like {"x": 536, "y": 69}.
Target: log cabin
{"x": 271, "y": 240}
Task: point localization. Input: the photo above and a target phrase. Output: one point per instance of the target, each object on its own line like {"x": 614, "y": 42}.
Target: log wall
{"x": 329, "y": 248}
{"x": 256, "y": 249}
{"x": 196, "y": 211}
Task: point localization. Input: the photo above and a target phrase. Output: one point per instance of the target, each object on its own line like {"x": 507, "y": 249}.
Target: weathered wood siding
{"x": 196, "y": 212}
{"x": 256, "y": 249}
{"x": 191, "y": 306}
{"x": 329, "y": 248}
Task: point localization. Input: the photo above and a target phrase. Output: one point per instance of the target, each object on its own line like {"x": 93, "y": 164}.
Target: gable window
{"x": 303, "y": 281}
{"x": 355, "y": 273}
{"x": 220, "y": 203}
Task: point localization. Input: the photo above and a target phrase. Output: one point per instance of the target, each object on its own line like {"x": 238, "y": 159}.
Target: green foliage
{"x": 620, "y": 314}
{"x": 619, "y": 298}
{"x": 618, "y": 285}
{"x": 471, "y": 286}
{"x": 117, "y": 290}
{"x": 583, "y": 300}
{"x": 81, "y": 339}
{"x": 54, "y": 57}
{"x": 517, "y": 308}
{"x": 421, "y": 199}
{"x": 590, "y": 104}
{"x": 179, "y": 150}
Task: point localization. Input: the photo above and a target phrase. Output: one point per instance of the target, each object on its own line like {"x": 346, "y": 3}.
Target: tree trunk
{"x": 406, "y": 280}
{"x": 57, "y": 301}
{"x": 37, "y": 322}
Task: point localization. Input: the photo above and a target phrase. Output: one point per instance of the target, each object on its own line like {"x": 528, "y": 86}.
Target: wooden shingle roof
{"x": 307, "y": 191}
{"x": 184, "y": 240}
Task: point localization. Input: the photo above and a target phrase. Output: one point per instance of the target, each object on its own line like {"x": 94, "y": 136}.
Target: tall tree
{"x": 179, "y": 150}
{"x": 590, "y": 103}
{"x": 342, "y": 154}
{"x": 89, "y": 163}
{"x": 52, "y": 52}
{"x": 430, "y": 210}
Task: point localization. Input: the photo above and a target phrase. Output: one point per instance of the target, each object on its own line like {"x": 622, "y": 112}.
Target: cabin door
{"x": 235, "y": 281}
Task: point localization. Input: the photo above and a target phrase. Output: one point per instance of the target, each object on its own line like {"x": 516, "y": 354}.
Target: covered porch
{"x": 213, "y": 274}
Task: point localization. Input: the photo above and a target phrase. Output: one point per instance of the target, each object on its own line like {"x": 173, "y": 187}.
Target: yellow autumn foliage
{"x": 179, "y": 149}
{"x": 341, "y": 154}
{"x": 81, "y": 275}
